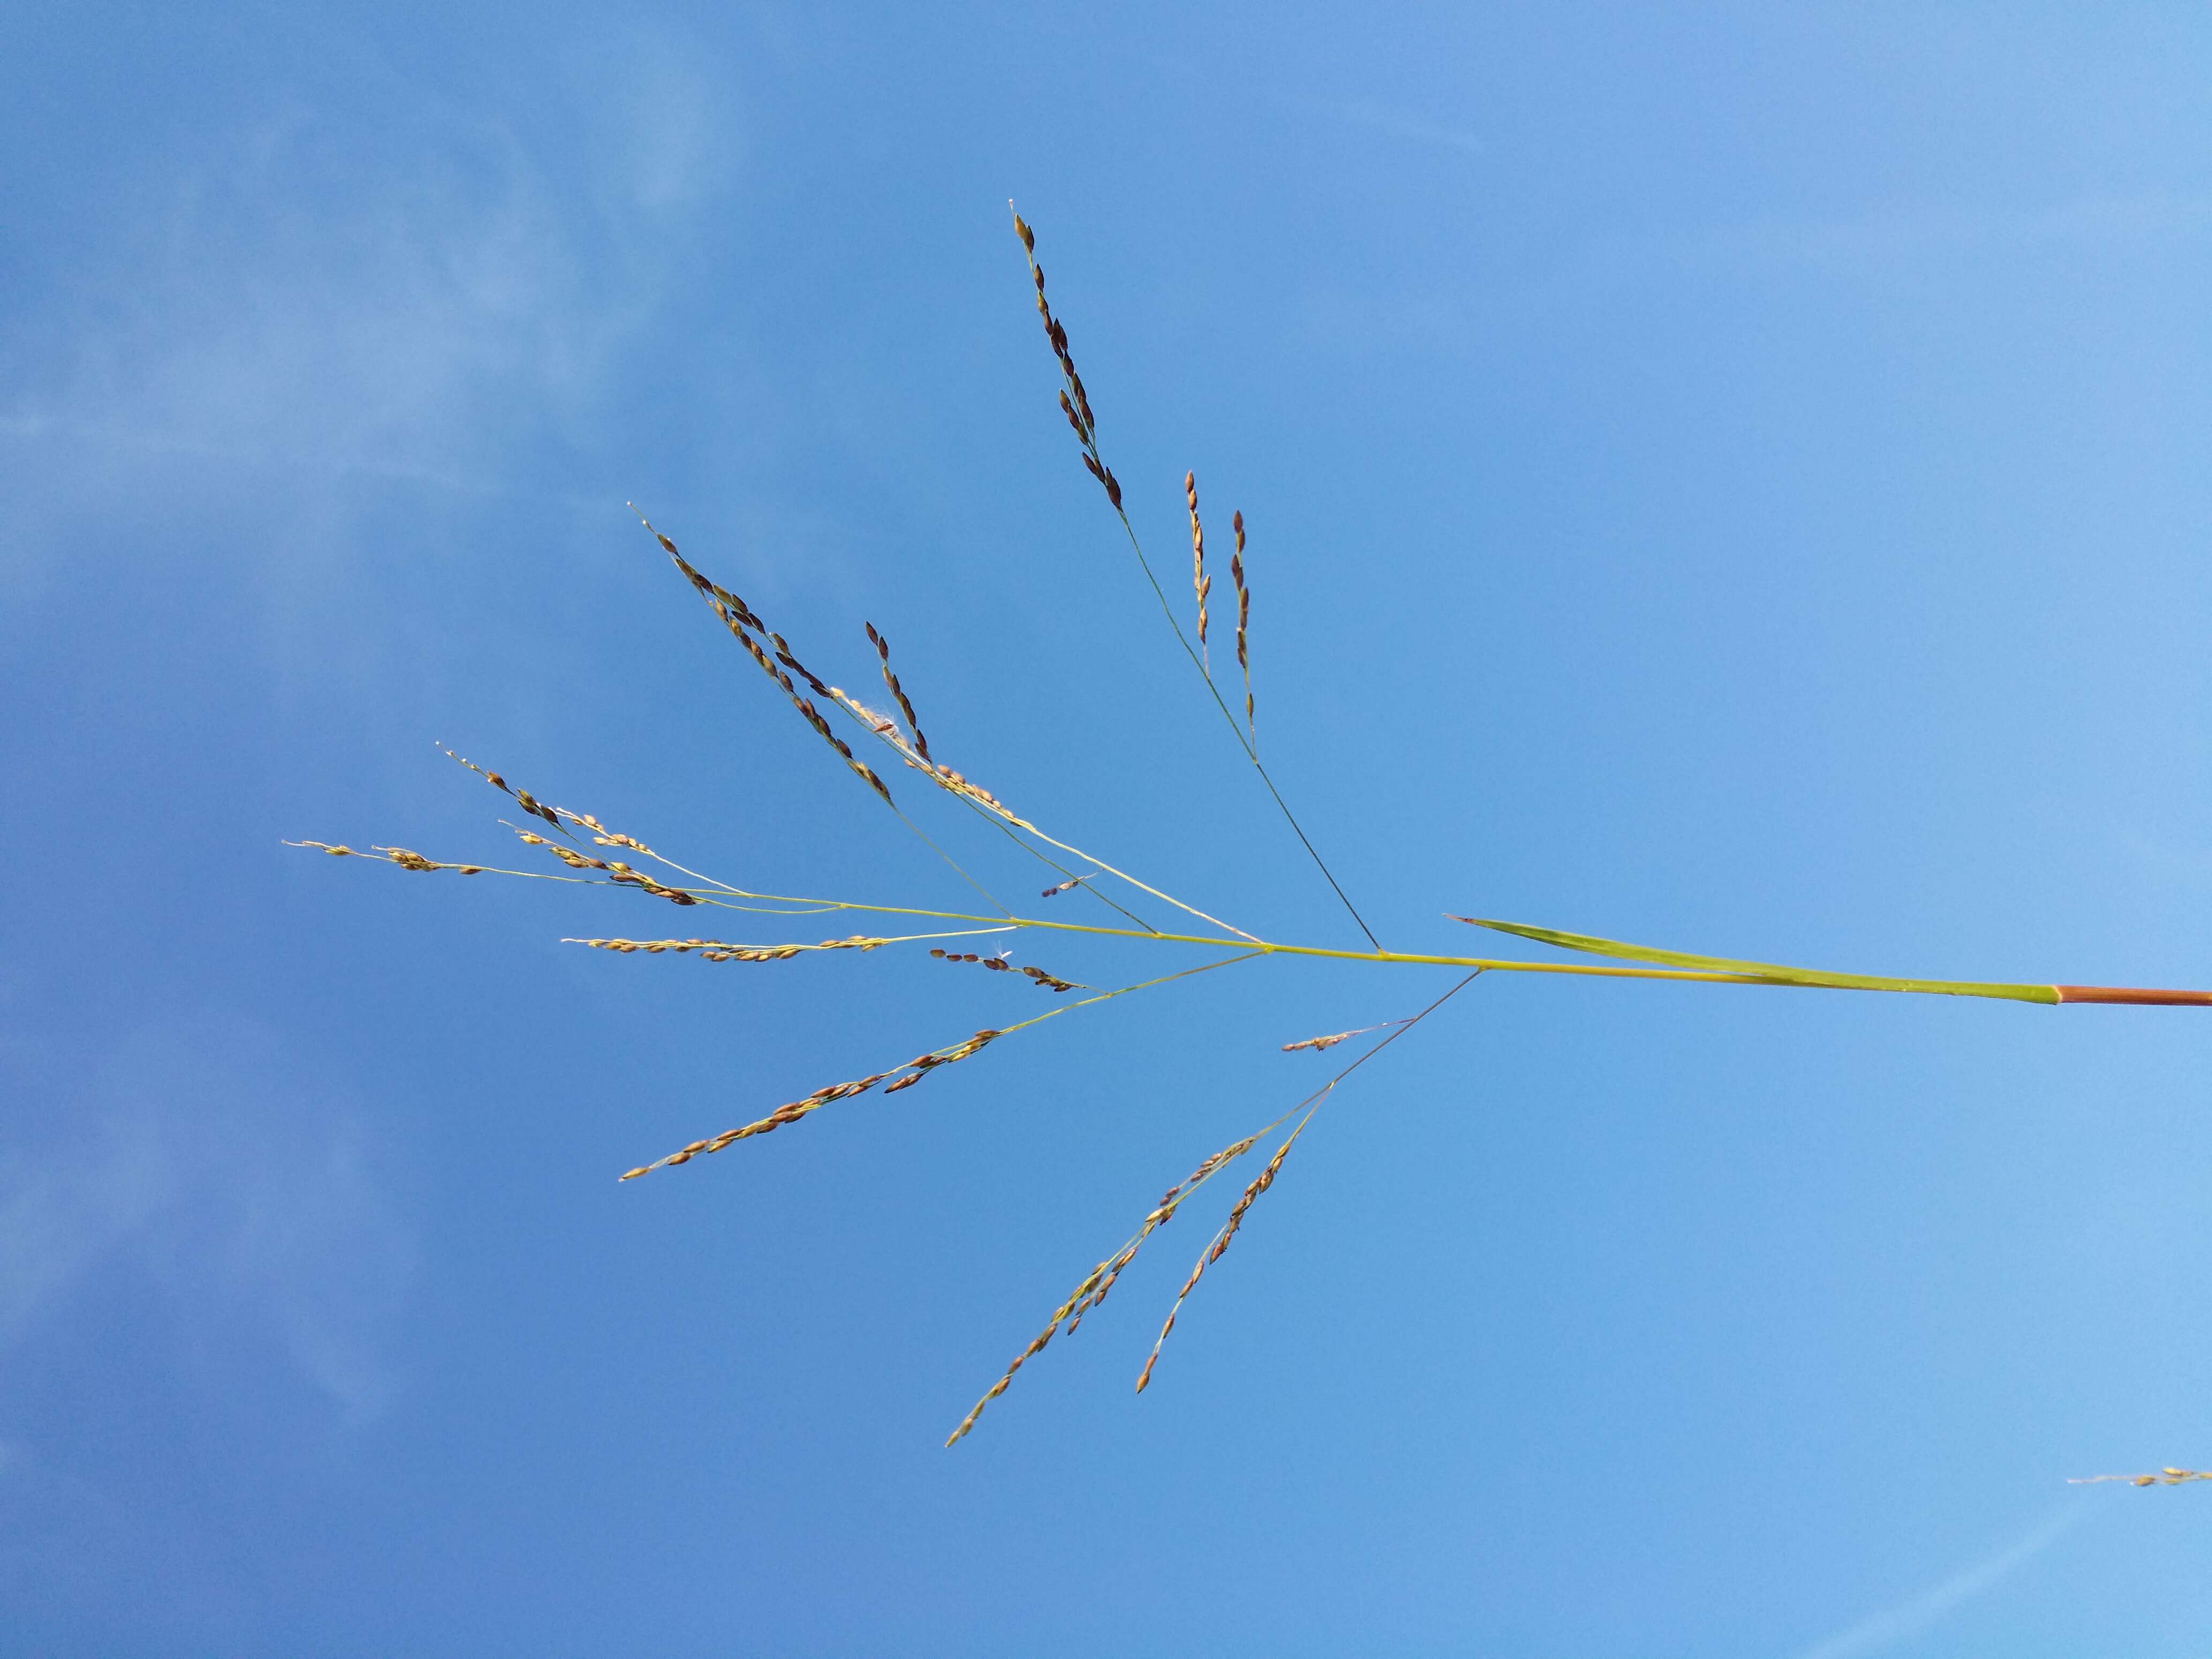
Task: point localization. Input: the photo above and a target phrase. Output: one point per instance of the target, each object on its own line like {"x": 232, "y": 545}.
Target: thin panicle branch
{"x": 2166, "y": 1477}
{"x": 405, "y": 858}
{"x": 1050, "y": 863}
{"x": 1086, "y": 431}
{"x": 886, "y": 732}
{"x": 1319, "y": 1043}
{"x": 1724, "y": 971}
{"x": 1219, "y": 1245}
{"x": 915, "y": 1070}
{"x": 1002, "y": 964}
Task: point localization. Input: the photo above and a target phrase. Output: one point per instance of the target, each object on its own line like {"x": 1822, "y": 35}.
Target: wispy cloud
{"x": 1398, "y": 124}
{"x": 429, "y": 306}
{"x": 1921, "y": 1613}
{"x": 236, "y": 1189}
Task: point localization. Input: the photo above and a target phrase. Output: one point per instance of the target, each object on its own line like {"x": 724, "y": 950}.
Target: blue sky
{"x": 1731, "y": 479}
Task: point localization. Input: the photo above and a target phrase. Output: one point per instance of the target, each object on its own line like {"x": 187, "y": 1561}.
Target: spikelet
{"x": 623, "y": 876}
{"x": 925, "y": 1064}
{"x": 528, "y": 802}
{"x": 969, "y": 790}
{"x": 1100, "y": 1281}
{"x": 944, "y": 777}
{"x": 606, "y": 837}
{"x": 1243, "y": 621}
{"x": 783, "y": 655}
{"x": 567, "y": 855}
{"x": 1035, "y": 1347}
{"x": 877, "y": 722}
{"x": 553, "y": 815}
{"x": 619, "y": 873}
{"x": 1220, "y": 1246}
{"x": 792, "y": 1111}
{"x": 1200, "y": 582}
{"x": 1000, "y": 964}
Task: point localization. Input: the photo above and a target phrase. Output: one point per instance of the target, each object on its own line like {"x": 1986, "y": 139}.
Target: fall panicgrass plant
{"x": 568, "y": 839}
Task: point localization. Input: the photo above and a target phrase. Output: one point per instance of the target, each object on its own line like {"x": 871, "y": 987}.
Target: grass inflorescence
{"x": 587, "y": 852}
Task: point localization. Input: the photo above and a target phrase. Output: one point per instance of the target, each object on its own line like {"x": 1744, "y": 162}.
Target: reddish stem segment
{"x": 2129, "y": 994}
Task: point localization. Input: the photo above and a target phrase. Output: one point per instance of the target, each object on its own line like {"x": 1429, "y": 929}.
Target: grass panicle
{"x": 588, "y": 854}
